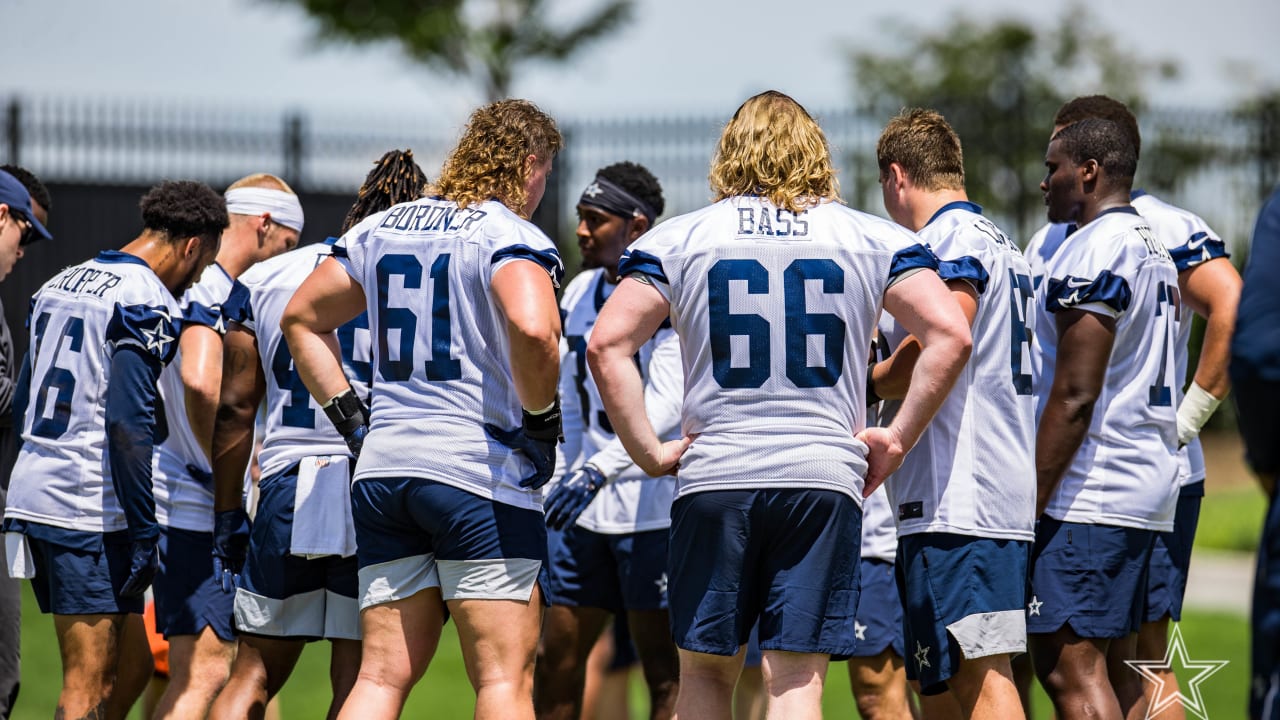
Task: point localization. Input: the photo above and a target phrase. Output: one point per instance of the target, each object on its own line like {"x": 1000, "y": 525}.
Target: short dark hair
{"x": 927, "y": 148}
{"x": 1106, "y": 108}
{"x": 184, "y": 208}
{"x": 637, "y": 180}
{"x": 1103, "y": 141}
{"x": 35, "y": 188}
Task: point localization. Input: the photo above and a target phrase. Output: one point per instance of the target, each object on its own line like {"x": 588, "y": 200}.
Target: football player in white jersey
{"x": 608, "y": 521}
{"x": 774, "y": 291}
{"x": 299, "y": 580}
{"x": 1209, "y": 285}
{"x": 192, "y": 609}
{"x": 1105, "y": 446}
{"x": 964, "y": 497}
{"x": 81, "y": 496}
{"x": 446, "y": 502}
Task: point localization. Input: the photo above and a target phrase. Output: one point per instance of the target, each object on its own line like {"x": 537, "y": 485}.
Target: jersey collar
{"x": 956, "y": 205}
{"x": 1126, "y": 209}
{"x": 1137, "y": 194}
{"x": 118, "y": 256}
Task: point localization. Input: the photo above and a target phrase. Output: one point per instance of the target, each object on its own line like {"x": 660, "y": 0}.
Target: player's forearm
{"x": 535, "y": 362}
{"x": 936, "y": 369}
{"x": 130, "y": 425}
{"x": 1215, "y": 351}
{"x": 892, "y": 377}
{"x": 318, "y": 360}
{"x": 233, "y": 429}
{"x": 622, "y": 391}
{"x": 1062, "y": 430}
{"x": 201, "y": 372}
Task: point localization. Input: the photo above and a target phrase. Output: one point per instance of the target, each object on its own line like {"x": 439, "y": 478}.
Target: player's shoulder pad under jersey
{"x": 646, "y": 255}
{"x": 514, "y": 238}
{"x": 350, "y": 248}
{"x": 237, "y": 308}
{"x": 966, "y": 243}
{"x": 1188, "y": 237}
{"x": 148, "y": 328}
{"x": 1092, "y": 267}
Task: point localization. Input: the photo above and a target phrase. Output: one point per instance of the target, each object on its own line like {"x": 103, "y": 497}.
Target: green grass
{"x": 1231, "y": 517}
{"x": 445, "y": 693}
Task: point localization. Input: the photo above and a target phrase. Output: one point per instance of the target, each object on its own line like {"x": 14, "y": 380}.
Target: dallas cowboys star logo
{"x": 157, "y": 339}
{"x": 593, "y": 190}
{"x": 1191, "y": 701}
{"x": 662, "y": 584}
{"x": 922, "y": 655}
{"x": 1033, "y": 607}
{"x": 859, "y": 630}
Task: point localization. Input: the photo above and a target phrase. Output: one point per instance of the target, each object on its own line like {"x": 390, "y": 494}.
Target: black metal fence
{"x": 99, "y": 156}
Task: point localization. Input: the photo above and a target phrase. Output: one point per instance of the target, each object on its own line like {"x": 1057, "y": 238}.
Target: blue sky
{"x": 675, "y": 57}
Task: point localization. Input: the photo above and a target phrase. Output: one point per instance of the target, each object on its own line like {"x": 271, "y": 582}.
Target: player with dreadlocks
{"x": 299, "y": 579}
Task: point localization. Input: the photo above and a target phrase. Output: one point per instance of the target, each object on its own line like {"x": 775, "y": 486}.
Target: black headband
{"x": 611, "y": 198}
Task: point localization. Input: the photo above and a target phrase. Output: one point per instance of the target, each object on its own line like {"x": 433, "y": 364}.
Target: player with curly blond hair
{"x": 774, "y": 291}
{"x": 446, "y": 500}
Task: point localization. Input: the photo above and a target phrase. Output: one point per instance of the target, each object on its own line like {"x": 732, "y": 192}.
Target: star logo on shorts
{"x": 859, "y": 630}
{"x": 662, "y": 584}
{"x": 1176, "y": 657}
{"x": 1033, "y": 607}
{"x": 922, "y": 655}
{"x": 157, "y": 338}
{"x": 593, "y": 190}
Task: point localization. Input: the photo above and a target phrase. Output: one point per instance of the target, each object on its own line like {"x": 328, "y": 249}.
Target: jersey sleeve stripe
{"x": 548, "y": 259}
{"x": 916, "y": 257}
{"x": 638, "y": 261}
{"x": 967, "y": 268}
{"x": 1107, "y": 289}
{"x": 1200, "y": 248}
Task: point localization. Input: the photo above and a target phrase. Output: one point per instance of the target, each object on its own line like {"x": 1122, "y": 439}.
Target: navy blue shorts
{"x": 1091, "y": 577}
{"x": 414, "y": 534}
{"x": 964, "y": 597}
{"x": 284, "y": 595}
{"x": 1171, "y": 558}
{"x": 79, "y": 573}
{"x": 188, "y": 597}
{"x": 785, "y": 556}
{"x": 614, "y": 572}
{"x": 1264, "y": 700}
{"x": 878, "y": 624}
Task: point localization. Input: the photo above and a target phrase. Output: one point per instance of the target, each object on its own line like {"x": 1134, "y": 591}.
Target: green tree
{"x": 999, "y": 84}
{"x": 483, "y": 41}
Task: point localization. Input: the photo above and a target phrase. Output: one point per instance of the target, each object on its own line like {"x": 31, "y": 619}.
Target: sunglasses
{"x": 29, "y": 234}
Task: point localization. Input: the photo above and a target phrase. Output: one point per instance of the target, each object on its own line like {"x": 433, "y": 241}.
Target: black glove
{"x": 350, "y": 417}
{"x": 143, "y": 564}
{"x": 567, "y": 501}
{"x": 230, "y": 545}
{"x": 872, "y": 397}
{"x": 537, "y": 439}
{"x": 200, "y": 476}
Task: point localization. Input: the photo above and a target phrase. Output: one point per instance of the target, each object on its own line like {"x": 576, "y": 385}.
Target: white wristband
{"x": 1196, "y": 409}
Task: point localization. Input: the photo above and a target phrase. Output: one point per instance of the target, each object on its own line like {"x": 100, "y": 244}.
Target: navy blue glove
{"x": 351, "y": 418}
{"x": 143, "y": 564}
{"x": 536, "y": 438}
{"x": 230, "y": 545}
{"x": 567, "y": 501}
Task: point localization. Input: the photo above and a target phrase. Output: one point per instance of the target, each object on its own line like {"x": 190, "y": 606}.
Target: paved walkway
{"x": 1220, "y": 581}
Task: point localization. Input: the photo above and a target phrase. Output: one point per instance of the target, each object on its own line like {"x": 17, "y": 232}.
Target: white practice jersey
{"x": 973, "y": 470}
{"x": 1125, "y": 472}
{"x": 775, "y": 311}
{"x": 441, "y": 355}
{"x": 78, "y": 319}
{"x": 879, "y": 531}
{"x": 295, "y": 427}
{"x": 631, "y": 501}
{"x": 1190, "y": 242}
{"x": 180, "y": 471}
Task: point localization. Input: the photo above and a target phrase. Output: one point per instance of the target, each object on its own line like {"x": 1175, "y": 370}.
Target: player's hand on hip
{"x": 666, "y": 459}
{"x": 568, "y": 499}
{"x": 537, "y": 437}
{"x": 144, "y": 562}
{"x": 884, "y": 456}
{"x": 230, "y": 546}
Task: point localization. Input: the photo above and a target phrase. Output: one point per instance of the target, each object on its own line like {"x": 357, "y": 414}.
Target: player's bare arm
{"x": 243, "y": 387}
{"x": 892, "y": 377}
{"x": 201, "y": 370}
{"x": 527, "y": 299}
{"x": 923, "y": 305}
{"x": 325, "y": 301}
{"x": 1212, "y": 290}
{"x": 1084, "y": 349}
{"x": 626, "y": 322}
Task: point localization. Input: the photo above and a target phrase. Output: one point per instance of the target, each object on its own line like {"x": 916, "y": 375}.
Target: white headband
{"x": 284, "y": 207}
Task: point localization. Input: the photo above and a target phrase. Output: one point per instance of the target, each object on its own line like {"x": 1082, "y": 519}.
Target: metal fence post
{"x": 294, "y": 149}
{"x": 13, "y": 129}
